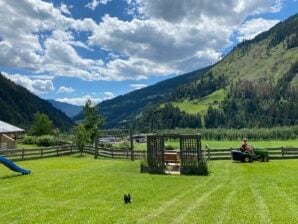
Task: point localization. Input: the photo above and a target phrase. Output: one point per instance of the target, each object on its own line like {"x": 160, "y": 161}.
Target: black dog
{"x": 127, "y": 199}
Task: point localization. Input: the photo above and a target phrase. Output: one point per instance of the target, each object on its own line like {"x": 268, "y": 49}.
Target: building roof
{"x": 8, "y": 128}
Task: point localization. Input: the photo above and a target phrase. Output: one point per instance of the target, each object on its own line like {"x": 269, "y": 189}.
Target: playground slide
{"x": 11, "y": 165}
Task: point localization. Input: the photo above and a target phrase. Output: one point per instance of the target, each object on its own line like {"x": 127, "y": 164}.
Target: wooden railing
{"x": 114, "y": 153}
{"x": 124, "y": 153}
{"x": 28, "y": 154}
{"x": 274, "y": 153}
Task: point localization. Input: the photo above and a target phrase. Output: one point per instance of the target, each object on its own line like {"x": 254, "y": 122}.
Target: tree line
{"x": 257, "y": 104}
{"x": 165, "y": 117}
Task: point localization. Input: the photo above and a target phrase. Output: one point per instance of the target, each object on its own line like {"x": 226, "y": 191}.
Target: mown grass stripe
{"x": 262, "y": 210}
{"x": 196, "y": 204}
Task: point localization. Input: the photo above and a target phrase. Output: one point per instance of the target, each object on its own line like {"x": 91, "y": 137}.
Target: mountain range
{"x": 255, "y": 85}
{"x": 69, "y": 109}
{"x": 258, "y": 78}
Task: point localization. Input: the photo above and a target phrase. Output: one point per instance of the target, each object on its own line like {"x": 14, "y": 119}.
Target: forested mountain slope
{"x": 18, "y": 105}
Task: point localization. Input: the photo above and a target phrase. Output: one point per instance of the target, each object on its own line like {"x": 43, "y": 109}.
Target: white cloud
{"x": 253, "y": 27}
{"x": 37, "y": 86}
{"x": 64, "y": 89}
{"x": 168, "y": 36}
{"x": 80, "y": 101}
{"x": 172, "y": 36}
{"x": 64, "y": 9}
{"x": 108, "y": 95}
{"x": 138, "y": 86}
{"x": 94, "y": 3}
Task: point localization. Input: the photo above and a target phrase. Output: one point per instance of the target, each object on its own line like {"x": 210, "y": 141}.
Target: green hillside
{"x": 255, "y": 85}
{"x": 201, "y": 105}
{"x": 125, "y": 107}
{"x": 18, "y": 105}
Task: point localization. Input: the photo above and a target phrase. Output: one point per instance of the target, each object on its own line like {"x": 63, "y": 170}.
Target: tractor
{"x": 258, "y": 154}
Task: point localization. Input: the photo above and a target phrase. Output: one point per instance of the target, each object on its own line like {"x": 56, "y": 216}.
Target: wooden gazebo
{"x": 190, "y": 153}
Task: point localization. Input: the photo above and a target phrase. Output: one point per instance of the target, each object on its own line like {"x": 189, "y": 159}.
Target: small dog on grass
{"x": 127, "y": 199}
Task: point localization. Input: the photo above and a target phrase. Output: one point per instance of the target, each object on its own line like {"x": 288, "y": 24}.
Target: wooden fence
{"x": 113, "y": 153}
{"x": 274, "y": 153}
{"x": 28, "y": 154}
{"x": 63, "y": 150}
{"x": 211, "y": 154}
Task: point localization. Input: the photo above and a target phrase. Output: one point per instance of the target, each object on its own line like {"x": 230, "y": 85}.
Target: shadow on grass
{"x": 11, "y": 176}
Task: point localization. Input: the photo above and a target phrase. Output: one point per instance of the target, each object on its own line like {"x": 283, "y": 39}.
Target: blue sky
{"x": 74, "y": 50}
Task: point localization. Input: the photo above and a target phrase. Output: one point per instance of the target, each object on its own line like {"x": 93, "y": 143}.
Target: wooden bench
{"x": 171, "y": 157}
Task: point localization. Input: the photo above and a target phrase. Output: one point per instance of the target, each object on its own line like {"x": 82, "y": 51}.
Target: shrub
{"x": 29, "y": 140}
{"x": 203, "y": 168}
{"x": 45, "y": 140}
{"x": 169, "y": 147}
{"x": 200, "y": 169}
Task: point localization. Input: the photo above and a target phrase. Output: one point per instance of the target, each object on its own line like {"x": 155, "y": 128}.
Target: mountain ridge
{"x": 69, "y": 109}
{"x": 18, "y": 105}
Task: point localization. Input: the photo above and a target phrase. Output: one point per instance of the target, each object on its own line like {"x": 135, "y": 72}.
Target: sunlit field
{"x": 83, "y": 190}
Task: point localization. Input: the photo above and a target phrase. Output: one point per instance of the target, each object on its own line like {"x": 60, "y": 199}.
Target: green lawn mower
{"x": 258, "y": 154}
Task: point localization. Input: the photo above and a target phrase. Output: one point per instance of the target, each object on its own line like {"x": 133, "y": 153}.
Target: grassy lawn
{"x": 27, "y": 146}
{"x": 84, "y": 190}
{"x": 201, "y": 106}
{"x": 234, "y": 144}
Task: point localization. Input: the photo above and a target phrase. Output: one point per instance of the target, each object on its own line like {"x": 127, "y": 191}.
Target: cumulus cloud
{"x": 138, "y": 86}
{"x": 164, "y": 36}
{"x": 37, "y": 86}
{"x": 94, "y": 3}
{"x": 79, "y": 101}
{"x": 173, "y": 36}
{"x": 64, "y": 89}
{"x": 64, "y": 9}
{"x": 253, "y": 27}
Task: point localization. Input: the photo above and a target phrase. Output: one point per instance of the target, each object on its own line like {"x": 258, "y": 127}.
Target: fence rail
{"x": 124, "y": 153}
{"x": 119, "y": 153}
{"x": 28, "y": 154}
{"x": 274, "y": 153}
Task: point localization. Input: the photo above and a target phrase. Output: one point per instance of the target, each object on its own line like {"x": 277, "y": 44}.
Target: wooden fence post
{"x": 96, "y": 149}
{"x": 131, "y": 145}
{"x": 57, "y": 151}
{"x": 231, "y": 151}
{"x": 41, "y": 152}
{"x": 282, "y": 152}
{"x": 112, "y": 153}
{"x": 23, "y": 153}
{"x": 208, "y": 152}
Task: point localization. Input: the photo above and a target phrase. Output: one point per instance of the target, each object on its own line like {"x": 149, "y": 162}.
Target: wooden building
{"x": 8, "y": 135}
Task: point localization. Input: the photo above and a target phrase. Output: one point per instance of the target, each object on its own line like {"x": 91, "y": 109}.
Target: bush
{"x": 45, "y": 140}
{"x": 203, "y": 168}
{"x": 169, "y": 147}
{"x": 29, "y": 140}
{"x": 200, "y": 169}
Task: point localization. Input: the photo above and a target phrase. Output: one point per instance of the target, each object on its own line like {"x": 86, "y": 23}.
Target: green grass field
{"x": 84, "y": 190}
{"x": 201, "y": 105}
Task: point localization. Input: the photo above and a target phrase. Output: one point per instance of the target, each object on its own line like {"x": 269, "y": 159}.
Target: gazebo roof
{"x": 8, "y": 128}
